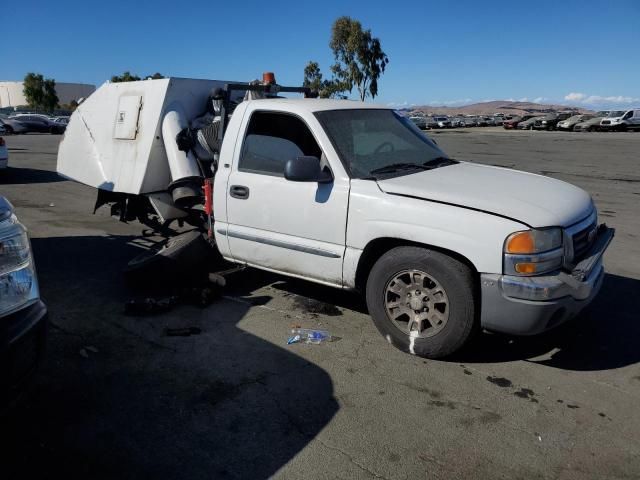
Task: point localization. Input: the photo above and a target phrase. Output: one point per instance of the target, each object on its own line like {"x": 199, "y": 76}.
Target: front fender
{"x": 477, "y": 236}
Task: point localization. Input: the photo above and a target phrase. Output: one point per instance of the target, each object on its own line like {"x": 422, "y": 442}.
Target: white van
{"x": 622, "y": 120}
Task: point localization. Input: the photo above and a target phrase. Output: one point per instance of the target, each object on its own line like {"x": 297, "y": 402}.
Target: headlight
{"x": 533, "y": 252}
{"x": 18, "y": 284}
{"x": 544, "y": 122}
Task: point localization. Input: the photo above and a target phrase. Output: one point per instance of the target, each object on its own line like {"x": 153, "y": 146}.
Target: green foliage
{"x": 125, "y": 77}
{"x": 360, "y": 60}
{"x": 325, "y": 88}
{"x": 49, "y": 98}
{"x": 40, "y": 92}
{"x": 33, "y": 89}
{"x": 129, "y": 77}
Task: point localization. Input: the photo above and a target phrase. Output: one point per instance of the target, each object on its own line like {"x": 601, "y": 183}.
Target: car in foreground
{"x": 593, "y": 124}
{"x": 440, "y": 248}
{"x": 569, "y": 123}
{"x": 621, "y": 121}
{"x": 4, "y": 154}
{"x": 22, "y": 313}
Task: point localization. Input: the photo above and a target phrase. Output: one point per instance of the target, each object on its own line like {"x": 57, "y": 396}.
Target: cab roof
{"x": 316, "y": 104}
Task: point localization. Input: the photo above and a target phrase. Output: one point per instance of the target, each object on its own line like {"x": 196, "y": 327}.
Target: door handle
{"x": 239, "y": 191}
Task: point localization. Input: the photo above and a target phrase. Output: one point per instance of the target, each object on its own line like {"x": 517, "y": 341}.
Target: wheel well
{"x": 378, "y": 247}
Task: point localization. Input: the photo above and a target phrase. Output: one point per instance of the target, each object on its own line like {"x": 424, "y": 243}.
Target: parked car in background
{"x": 4, "y": 154}
{"x": 22, "y": 313}
{"x": 498, "y": 120}
{"x": 419, "y": 121}
{"x": 570, "y": 122}
{"x": 593, "y": 124}
{"x": 12, "y": 125}
{"x": 60, "y": 120}
{"x": 470, "y": 121}
{"x": 621, "y": 120}
{"x": 550, "y": 121}
{"x": 457, "y": 122}
{"x": 431, "y": 123}
{"x": 36, "y": 123}
{"x": 442, "y": 122}
{"x": 528, "y": 124}
{"x": 511, "y": 123}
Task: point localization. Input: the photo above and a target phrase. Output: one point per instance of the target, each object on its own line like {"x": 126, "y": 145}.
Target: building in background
{"x": 11, "y": 94}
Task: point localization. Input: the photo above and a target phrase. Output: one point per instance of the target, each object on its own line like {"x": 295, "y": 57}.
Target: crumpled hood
{"x": 535, "y": 200}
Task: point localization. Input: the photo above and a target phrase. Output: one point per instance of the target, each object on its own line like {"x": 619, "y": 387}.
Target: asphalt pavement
{"x": 118, "y": 398}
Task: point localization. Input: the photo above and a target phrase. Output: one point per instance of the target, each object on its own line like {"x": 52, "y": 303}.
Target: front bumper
{"x": 22, "y": 341}
{"x": 531, "y": 305}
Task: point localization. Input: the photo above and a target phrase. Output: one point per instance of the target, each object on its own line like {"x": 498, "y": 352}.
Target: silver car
{"x": 593, "y": 124}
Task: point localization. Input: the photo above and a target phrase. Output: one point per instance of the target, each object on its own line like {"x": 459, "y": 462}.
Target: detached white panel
{"x": 114, "y": 138}
{"x": 127, "y": 117}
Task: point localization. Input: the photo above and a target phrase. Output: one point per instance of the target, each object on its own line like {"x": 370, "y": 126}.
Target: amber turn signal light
{"x": 520, "y": 242}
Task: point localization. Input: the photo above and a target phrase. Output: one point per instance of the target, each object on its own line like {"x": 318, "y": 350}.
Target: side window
{"x": 272, "y": 139}
{"x": 628, "y": 115}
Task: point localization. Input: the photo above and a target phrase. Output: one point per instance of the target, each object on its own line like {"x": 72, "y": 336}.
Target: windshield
{"x": 369, "y": 140}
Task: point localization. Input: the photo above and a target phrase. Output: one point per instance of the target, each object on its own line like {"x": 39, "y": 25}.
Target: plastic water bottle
{"x": 308, "y": 335}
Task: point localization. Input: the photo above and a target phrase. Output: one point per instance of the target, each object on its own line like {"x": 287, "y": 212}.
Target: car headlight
{"x": 18, "y": 283}
{"x": 533, "y": 252}
{"x": 544, "y": 122}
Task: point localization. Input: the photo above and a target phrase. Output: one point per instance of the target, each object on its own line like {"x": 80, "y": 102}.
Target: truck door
{"x": 297, "y": 228}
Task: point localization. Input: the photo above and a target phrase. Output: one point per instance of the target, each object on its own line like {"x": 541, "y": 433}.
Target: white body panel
{"x": 103, "y": 150}
{"x": 465, "y": 208}
{"x": 533, "y": 199}
{"x": 292, "y": 227}
{"x": 373, "y": 214}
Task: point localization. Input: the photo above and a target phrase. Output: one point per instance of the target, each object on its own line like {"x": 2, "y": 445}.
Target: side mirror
{"x": 306, "y": 169}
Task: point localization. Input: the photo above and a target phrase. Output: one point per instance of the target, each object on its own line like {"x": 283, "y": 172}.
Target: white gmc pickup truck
{"x": 351, "y": 195}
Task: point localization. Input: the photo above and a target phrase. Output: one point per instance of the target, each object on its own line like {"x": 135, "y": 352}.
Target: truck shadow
{"x": 117, "y": 398}
{"x": 13, "y": 175}
{"x": 603, "y": 337}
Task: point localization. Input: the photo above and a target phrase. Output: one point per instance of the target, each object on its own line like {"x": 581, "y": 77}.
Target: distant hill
{"x": 497, "y": 106}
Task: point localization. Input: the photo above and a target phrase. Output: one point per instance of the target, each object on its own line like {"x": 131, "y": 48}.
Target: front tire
{"x": 422, "y": 301}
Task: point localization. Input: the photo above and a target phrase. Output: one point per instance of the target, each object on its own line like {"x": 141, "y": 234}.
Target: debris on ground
{"x": 182, "y": 332}
{"x": 308, "y": 335}
{"x": 149, "y": 306}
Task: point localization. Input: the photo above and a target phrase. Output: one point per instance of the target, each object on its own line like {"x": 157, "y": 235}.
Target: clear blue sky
{"x": 441, "y": 52}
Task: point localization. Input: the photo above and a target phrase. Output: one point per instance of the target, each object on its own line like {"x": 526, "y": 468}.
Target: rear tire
{"x": 422, "y": 301}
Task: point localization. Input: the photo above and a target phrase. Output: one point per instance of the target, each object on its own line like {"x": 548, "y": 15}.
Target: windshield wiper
{"x": 394, "y": 167}
{"x": 440, "y": 162}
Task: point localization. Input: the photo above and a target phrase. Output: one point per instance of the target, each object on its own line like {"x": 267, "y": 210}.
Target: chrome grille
{"x": 582, "y": 242}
